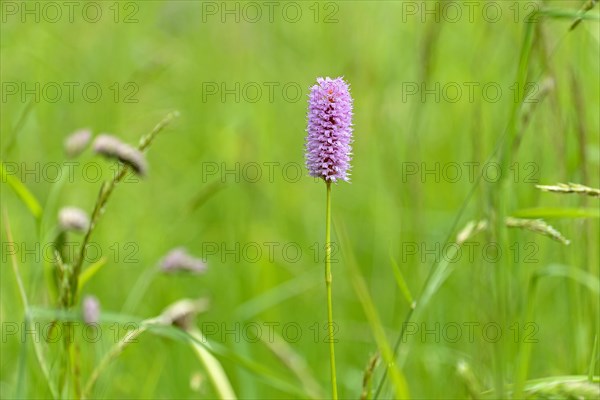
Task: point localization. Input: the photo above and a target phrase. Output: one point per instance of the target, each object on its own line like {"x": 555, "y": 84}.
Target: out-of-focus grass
{"x": 170, "y": 53}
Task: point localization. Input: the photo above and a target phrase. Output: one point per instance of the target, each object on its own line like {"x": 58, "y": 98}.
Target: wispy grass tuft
{"x": 537, "y": 226}
{"x": 563, "y": 387}
{"x": 570, "y": 188}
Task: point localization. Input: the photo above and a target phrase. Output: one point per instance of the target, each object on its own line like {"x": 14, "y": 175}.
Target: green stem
{"x": 73, "y": 355}
{"x": 593, "y": 359}
{"x": 328, "y": 280}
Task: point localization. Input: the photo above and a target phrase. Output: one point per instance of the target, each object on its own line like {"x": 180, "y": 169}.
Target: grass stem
{"x": 328, "y": 280}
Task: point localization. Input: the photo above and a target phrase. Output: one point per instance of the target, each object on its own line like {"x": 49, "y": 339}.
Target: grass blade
{"x": 557, "y": 212}
{"x": 585, "y": 279}
{"x": 401, "y": 282}
{"x": 213, "y": 367}
{"x": 362, "y": 292}
{"x": 593, "y": 358}
{"x": 592, "y": 283}
{"x": 278, "y": 294}
{"x": 22, "y": 192}
{"x": 295, "y": 363}
{"x": 90, "y": 271}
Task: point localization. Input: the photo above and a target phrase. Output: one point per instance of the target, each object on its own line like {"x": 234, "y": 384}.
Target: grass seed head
{"x": 77, "y": 142}
{"x": 73, "y": 219}
{"x": 111, "y": 147}
{"x": 179, "y": 259}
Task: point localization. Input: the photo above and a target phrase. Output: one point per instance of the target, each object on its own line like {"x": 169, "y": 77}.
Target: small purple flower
{"x": 179, "y": 260}
{"x": 329, "y": 130}
{"x": 91, "y": 310}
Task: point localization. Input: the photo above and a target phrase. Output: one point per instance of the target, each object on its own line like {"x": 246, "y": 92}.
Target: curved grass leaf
{"x": 402, "y": 285}
{"x": 90, "y": 271}
{"x": 585, "y": 279}
{"x": 213, "y": 367}
{"x": 295, "y": 363}
{"x": 155, "y": 326}
{"x": 22, "y": 192}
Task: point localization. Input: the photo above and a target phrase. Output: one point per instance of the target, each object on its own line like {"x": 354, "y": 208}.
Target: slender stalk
{"x": 593, "y": 359}
{"x": 105, "y": 192}
{"x": 524, "y": 355}
{"x": 399, "y": 340}
{"x": 328, "y": 280}
{"x": 73, "y": 354}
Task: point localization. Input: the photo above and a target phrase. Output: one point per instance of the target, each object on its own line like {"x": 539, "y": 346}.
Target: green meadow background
{"x": 169, "y": 55}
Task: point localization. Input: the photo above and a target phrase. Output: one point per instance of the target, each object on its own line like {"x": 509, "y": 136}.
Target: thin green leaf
{"x": 585, "y": 279}
{"x": 561, "y": 13}
{"x": 362, "y": 292}
{"x": 401, "y": 282}
{"x": 207, "y": 192}
{"x": 593, "y": 358}
{"x": 592, "y": 283}
{"x": 276, "y": 295}
{"x": 90, "y": 271}
{"x": 213, "y": 367}
{"x": 22, "y": 192}
{"x": 295, "y": 362}
{"x": 261, "y": 372}
{"x": 557, "y": 212}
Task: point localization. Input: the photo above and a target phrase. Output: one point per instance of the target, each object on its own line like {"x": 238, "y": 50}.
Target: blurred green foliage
{"x": 165, "y": 56}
